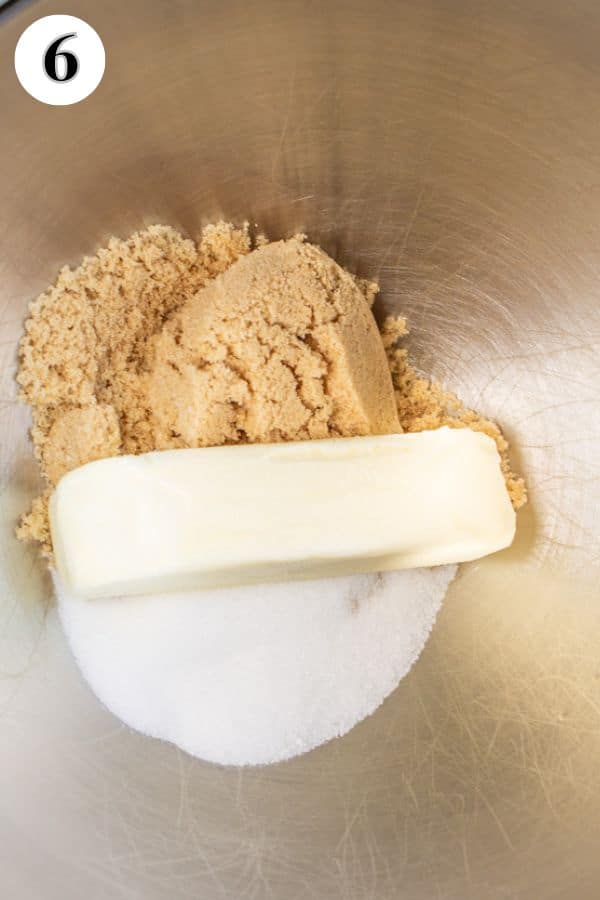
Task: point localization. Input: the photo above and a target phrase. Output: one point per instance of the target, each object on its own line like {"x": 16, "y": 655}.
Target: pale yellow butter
{"x": 217, "y": 516}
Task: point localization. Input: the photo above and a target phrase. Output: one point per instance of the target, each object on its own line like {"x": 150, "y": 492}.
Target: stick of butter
{"x": 216, "y": 516}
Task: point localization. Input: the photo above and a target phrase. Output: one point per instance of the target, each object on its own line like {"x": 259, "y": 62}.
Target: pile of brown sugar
{"x": 281, "y": 347}
{"x": 159, "y": 342}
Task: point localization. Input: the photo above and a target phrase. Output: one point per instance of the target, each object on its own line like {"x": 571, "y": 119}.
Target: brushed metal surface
{"x": 453, "y": 151}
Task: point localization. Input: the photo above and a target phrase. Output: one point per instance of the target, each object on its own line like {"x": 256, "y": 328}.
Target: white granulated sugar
{"x": 254, "y": 675}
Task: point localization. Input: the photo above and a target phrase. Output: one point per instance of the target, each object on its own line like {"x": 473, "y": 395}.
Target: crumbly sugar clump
{"x": 281, "y": 347}
{"x": 159, "y": 342}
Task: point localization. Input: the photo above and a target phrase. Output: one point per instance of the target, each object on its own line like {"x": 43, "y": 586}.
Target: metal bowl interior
{"x": 452, "y": 151}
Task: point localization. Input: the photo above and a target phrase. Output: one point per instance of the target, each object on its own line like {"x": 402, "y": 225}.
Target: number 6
{"x": 71, "y": 61}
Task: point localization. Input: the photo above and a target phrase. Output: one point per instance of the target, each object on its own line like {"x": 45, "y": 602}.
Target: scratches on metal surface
{"x": 279, "y": 146}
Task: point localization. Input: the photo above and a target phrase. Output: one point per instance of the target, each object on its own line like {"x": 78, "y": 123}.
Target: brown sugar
{"x": 281, "y": 347}
{"x": 85, "y": 340}
{"x": 157, "y": 342}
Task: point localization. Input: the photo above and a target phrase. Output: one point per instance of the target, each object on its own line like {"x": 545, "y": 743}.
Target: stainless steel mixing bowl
{"x": 452, "y": 150}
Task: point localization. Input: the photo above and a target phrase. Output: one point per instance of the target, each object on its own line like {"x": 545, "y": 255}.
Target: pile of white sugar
{"x": 254, "y": 675}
